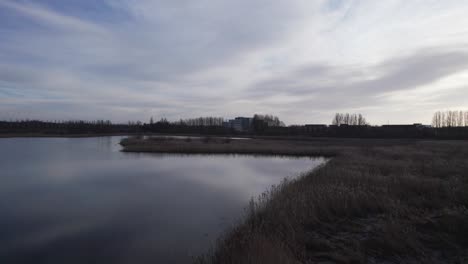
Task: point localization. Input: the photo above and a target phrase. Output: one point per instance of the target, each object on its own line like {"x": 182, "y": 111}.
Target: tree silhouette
{"x": 349, "y": 119}
{"x": 450, "y": 118}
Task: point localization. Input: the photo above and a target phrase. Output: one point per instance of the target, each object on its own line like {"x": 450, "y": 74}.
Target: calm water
{"x": 83, "y": 201}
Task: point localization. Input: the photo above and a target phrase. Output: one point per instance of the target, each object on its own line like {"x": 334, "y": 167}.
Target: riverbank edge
{"x": 373, "y": 202}
{"x": 39, "y": 135}
{"x": 88, "y": 135}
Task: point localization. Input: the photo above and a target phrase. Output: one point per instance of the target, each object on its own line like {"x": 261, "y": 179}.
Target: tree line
{"x": 66, "y": 127}
{"x": 450, "y": 119}
{"x": 209, "y": 124}
{"x": 446, "y": 125}
{"x": 200, "y": 125}
{"x": 349, "y": 119}
{"x": 201, "y": 121}
{"x": 269, "y": 120}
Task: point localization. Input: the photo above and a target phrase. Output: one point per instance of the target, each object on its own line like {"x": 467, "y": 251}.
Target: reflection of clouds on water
{"x": 61, "y": 197}
{"x": 47, "y": 235}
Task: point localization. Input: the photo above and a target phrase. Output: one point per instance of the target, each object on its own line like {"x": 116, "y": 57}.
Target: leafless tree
{"x": 450, "y": 118}
{"x": 349, "y": 119}
{"x": 460, "y": 119}
{"x": 437, "y": 120}
{"x": 201, "y": 121}
{"x": 361, "y": 120}
{"x": 466, "y": 118}
{"x": 337, "y": 119}
{"x": 346, "y": 119}
{"x": 354, "y": 120}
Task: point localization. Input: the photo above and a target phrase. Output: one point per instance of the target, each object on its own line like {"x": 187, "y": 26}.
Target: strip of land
{"x": 218, "y": 145}
{"x": 375, "y": 201}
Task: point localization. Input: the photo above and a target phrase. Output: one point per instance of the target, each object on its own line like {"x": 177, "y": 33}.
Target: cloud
{"x": 43, "y": 15}
{"x": 302, "y": 60}
{"x": 327, "y": 88}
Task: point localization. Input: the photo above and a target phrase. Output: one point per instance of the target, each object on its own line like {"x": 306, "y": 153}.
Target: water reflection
{"x": 83, "y": 201}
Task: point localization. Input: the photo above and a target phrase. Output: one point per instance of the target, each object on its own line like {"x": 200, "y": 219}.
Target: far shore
{"x": 129, "y": 134}
{"x": 42, "y": 135}
{"x": 84, "y": 135}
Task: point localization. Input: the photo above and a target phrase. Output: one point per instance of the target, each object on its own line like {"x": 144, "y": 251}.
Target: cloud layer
{"x": 395, "y": 61}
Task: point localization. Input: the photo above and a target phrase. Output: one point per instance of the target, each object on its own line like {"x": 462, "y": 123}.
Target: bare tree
{"x": 434, "y": 120}
{"x": 337, "y": 119}
{"x": 354, "y": 120}
{"x": 349, "y": 119}
{"x": 437, "y": 119}
{"x": 460, "y": 119}
{"x": 361, "y": 120}
{"x": 346, "y": 119}
{"x": 454, "y": 118}
{"x": 450, "y": 118}
{"x": 201, "y": 121}
{"x": 466, "y": 118}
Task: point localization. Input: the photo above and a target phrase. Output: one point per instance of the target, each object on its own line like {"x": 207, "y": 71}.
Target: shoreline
{"x": 58, "y": 135}
{"x": 39, "y": 135}
{"x": 374, "y": 201}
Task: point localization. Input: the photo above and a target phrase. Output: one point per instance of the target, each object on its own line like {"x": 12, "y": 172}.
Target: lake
{"x": 81, "y": 200}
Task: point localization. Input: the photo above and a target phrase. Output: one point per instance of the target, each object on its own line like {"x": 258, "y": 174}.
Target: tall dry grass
{"x": 390, "y": 204}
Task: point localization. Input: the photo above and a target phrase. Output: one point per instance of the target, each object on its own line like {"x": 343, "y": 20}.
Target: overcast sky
{"x": 395, "y": 61}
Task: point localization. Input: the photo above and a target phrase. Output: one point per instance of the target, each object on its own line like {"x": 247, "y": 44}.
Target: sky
{"x": 394, "y": 61}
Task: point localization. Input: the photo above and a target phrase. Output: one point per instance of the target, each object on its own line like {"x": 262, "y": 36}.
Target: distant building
{"x": 405, "y": 130}
{"x": 405, "y": 127}
{"x": 315, "y": 127}
{"x": 239, "y": 124}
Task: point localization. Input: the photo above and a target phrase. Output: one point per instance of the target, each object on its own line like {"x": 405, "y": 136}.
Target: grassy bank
{"x": 220, "y": 145}
{"x": 376, "y": 201}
